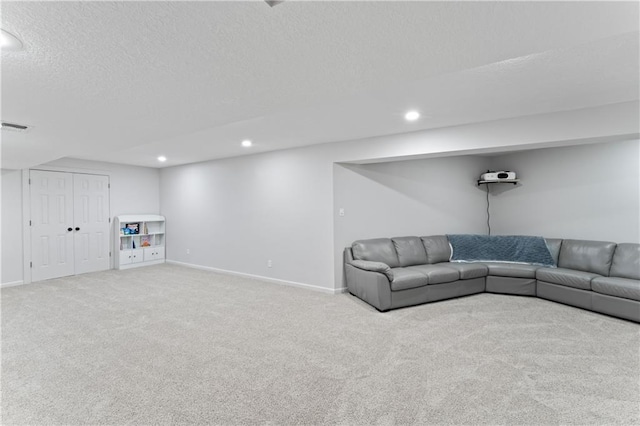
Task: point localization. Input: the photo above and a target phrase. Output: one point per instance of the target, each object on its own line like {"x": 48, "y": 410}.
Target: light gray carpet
{"x": 168, "y": 344}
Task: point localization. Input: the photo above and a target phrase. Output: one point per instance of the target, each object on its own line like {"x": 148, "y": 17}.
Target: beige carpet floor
{"x": 172, "y": 345}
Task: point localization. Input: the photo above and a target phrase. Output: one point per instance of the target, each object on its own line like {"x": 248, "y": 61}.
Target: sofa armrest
{"x": 380, "y": 267}
{"x": 372, "y": 287}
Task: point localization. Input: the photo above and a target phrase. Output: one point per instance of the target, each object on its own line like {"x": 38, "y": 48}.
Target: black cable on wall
{"x": 488, "y": 213}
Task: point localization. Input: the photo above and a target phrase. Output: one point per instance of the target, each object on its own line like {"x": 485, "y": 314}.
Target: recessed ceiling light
{"x": 247, "y": 143}
{"x": 9, "y": 42}
{"x": 412, "y": 116}
{"x": 162, "y": 159}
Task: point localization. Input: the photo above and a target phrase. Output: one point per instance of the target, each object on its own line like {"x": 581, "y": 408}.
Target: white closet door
{"x": 91, "y": 222}
{"x": 51, "y": 225}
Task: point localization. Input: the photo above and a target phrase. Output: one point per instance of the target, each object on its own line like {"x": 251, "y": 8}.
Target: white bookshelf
{"x": 146, "y": 247}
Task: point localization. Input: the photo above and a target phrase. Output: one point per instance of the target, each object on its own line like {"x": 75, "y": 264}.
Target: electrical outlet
{"x": 269, "y": 263}
{"x": 188, "y": 251}
{"x": 341, "y": 212}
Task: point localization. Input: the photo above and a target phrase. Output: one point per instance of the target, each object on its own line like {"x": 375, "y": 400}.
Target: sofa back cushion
{"x": 437, "y": 247}
{"x": 626, "y": 261}
{"x": 376, "y": 250}
{"x": 410, "y": 251}
{"x": 587, "y": 256}
{"x": 554, "y": 245}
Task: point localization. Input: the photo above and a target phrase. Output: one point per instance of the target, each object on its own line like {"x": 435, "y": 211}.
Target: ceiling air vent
{"x": 12, "y": 127}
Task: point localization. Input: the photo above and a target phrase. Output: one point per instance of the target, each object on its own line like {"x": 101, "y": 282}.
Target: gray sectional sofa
{"x": 391, "y": 273}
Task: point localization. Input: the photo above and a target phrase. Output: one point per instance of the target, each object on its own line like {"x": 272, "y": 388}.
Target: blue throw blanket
{"x": 500, "y": 248}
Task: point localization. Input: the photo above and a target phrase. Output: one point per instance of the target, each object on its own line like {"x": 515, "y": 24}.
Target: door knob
{"x": 77, "y": 228}
{"x": 69, "y": 229}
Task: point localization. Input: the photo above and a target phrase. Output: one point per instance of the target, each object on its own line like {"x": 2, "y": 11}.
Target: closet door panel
{"x": 91, "y": 222}
{"x": 52, "y": 246}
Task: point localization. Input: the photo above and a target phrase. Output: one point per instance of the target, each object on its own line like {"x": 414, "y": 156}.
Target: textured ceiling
{"x": 128, "y": 81}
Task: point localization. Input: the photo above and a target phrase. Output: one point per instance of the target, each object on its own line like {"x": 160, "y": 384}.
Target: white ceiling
{"x": 128, "y": 81}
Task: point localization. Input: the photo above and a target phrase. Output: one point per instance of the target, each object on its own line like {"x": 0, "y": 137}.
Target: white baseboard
{"x": 11, "y": 284}
{"x": 261, "y": 278}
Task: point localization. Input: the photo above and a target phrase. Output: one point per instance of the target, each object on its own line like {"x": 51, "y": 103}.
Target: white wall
{"x": 133, "y": 190}
{"x": 582, "y": 192}
{"x": 11, "y": 237}
{"x": 235, "y": 214}
{"x": 419, "y": 197}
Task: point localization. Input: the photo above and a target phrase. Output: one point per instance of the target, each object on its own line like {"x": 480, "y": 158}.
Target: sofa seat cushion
{"x": 404, "y": 278}
{"x": 619, "y": 287}
{"x": 566, "y": 277}
{"x": 514, "y": 270}
{"x": 468, "y": 271}
{"x": 437, "y": 274}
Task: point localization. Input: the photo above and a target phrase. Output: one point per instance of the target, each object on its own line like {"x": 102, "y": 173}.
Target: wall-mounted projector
{"x": 498, "y": 176}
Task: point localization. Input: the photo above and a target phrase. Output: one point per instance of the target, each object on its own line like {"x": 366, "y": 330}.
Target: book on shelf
{"x": 145, "y": 241}
{"x": 134, "y": 228}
